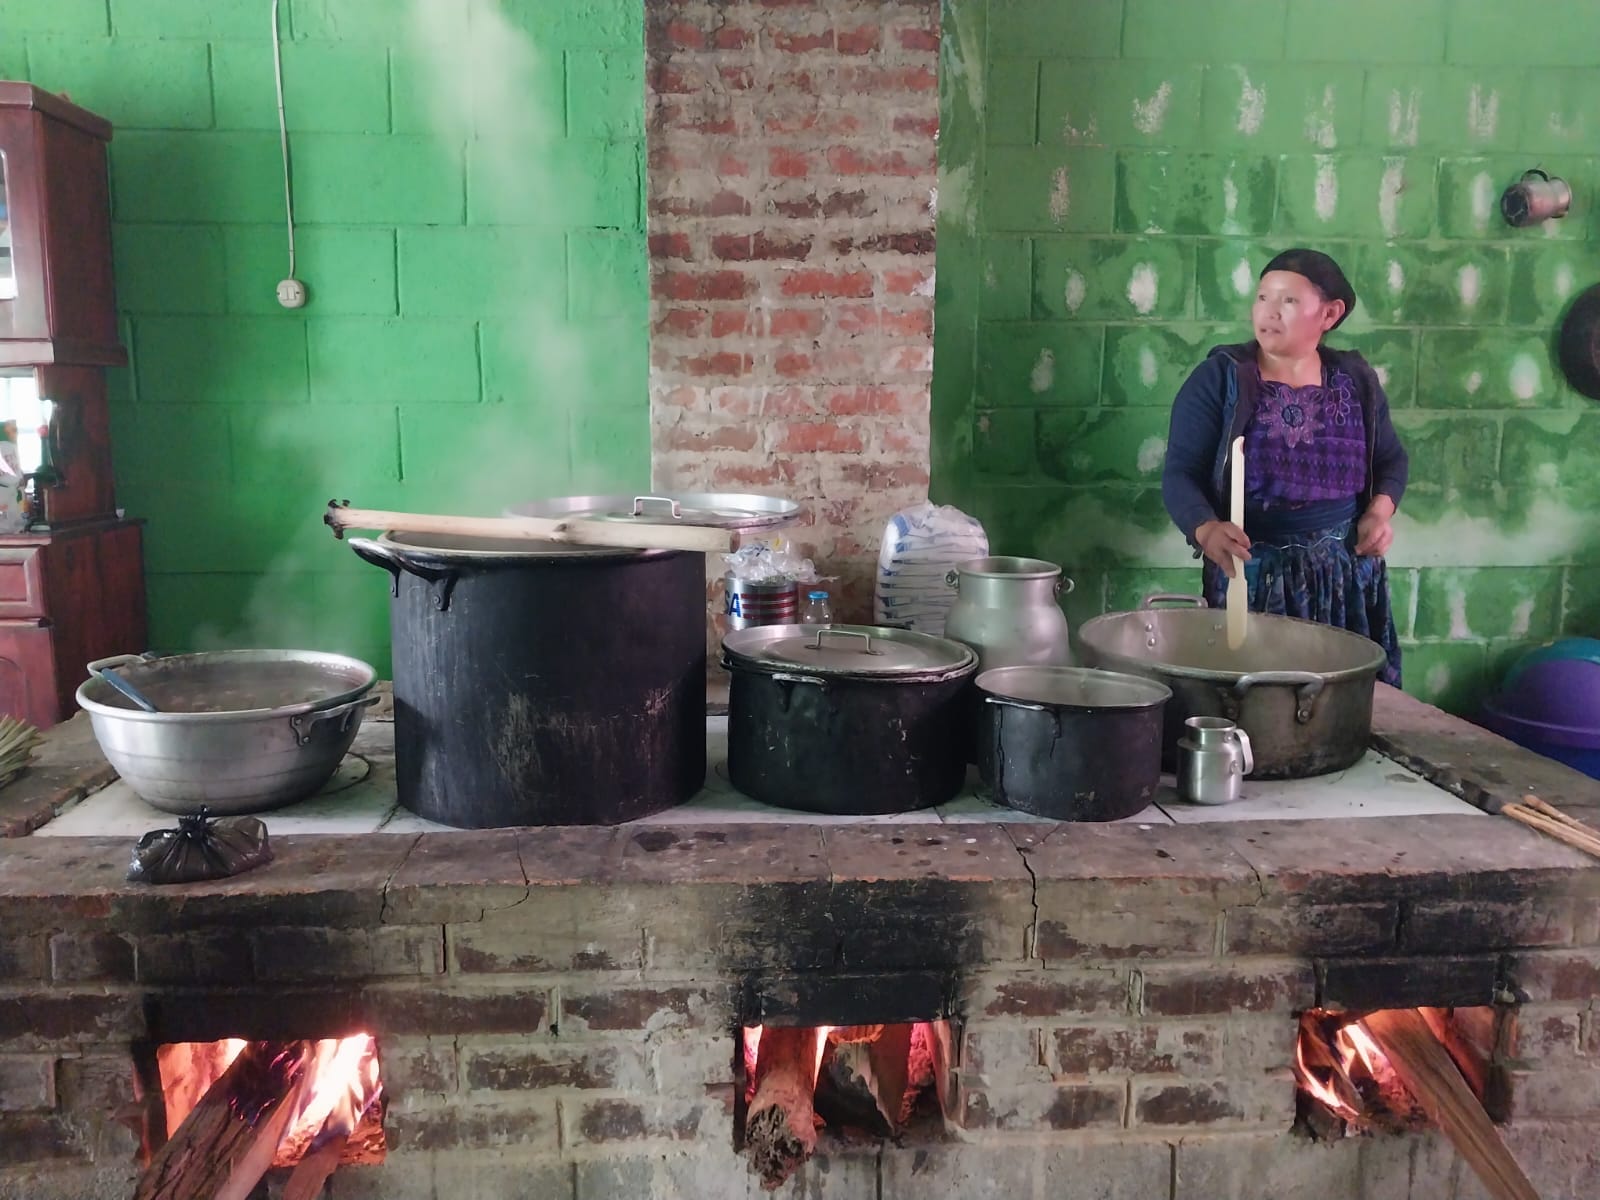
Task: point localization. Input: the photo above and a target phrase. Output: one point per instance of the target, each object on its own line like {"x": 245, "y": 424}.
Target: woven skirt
{"x": 1318, "y": 577}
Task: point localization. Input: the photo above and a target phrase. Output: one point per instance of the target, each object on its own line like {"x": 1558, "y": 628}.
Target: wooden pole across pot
{"x": 576, "y": 531}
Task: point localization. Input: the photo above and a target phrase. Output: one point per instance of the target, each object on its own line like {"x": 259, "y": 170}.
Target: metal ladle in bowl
{"x": 102, "y": 669}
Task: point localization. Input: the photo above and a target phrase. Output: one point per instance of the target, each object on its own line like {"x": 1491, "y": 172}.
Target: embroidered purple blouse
{"x": 1305, "y": 445}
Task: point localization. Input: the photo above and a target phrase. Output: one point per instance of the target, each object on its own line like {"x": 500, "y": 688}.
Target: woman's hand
{"x": 1221, "y": 542}
{"x": 1374, "y": 533}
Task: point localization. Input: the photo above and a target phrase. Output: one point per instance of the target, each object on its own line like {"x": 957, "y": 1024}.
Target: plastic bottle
{"x": 816, "y": 610}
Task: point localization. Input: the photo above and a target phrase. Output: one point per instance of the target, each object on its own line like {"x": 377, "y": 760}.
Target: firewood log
{"x": 780, "y": 1131}
{"x": 1426, "y": 1068}
{"x": 226, "y": 1143}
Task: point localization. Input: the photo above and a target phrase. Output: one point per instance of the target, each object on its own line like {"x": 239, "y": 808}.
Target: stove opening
{"x": 1398, "y": 1070}
{"x": 843, "y": 1083}
{"x": 236, "y": 1108}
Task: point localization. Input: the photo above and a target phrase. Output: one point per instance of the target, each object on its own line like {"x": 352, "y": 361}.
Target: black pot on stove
{"x": 847, "y": 719}
{"x": 538, "y": 683}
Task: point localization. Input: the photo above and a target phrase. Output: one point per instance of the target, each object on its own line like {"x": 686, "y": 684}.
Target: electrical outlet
{"x": 291, "y": 293}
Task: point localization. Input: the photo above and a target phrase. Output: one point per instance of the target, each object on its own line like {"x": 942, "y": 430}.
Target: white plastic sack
{"x": 921, "y": 545}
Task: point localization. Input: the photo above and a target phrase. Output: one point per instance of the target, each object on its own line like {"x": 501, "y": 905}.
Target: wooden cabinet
{"x": 57, "y": 303}
{"x": 71, "y": 580}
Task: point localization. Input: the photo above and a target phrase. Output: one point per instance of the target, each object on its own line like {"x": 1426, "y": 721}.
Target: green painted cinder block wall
{"x": 468, "y": 187}
{"x": 1115, "y": 173}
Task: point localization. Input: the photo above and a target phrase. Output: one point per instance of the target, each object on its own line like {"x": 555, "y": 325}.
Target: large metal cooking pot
{"x": 846, "y": 719}
{"x": 1302, "y": 691}
{"x": 1069, "y": 743}
{"x": 239, "y": 730}
{"x": 542, "y": 683}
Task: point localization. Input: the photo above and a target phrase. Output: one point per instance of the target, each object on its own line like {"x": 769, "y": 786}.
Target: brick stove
{"x": 557, "y": 1011}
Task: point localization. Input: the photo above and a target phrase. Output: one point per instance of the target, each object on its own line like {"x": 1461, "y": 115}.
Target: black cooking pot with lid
{"x": 846, "y": 719}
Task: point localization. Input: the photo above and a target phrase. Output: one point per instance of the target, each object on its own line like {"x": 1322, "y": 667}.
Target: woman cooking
{"x": 1324, "y": 468}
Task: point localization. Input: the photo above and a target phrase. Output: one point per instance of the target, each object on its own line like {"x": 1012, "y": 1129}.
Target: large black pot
{"x": 539, "y": 684}
{"x": 1069, "y": 743}
{"x": 846, "y": 719}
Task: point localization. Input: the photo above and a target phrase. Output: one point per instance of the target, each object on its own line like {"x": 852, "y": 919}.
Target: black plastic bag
{"x": 200, "y": 848}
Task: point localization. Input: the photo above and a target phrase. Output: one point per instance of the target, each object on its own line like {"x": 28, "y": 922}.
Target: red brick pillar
{"x": 791, "y": 181}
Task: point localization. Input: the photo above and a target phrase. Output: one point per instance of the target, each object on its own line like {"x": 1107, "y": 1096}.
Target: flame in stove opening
{"x": 1351, "y": 1044}
{"x": 345, "y": 1085}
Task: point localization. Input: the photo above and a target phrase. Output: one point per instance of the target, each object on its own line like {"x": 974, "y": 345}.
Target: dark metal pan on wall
{"x": 1578, "y": 343}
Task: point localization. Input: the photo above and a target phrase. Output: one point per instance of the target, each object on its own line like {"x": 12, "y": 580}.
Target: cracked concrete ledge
{"x": 467, "y": 876}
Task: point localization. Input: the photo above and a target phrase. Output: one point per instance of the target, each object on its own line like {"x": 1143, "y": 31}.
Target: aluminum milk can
{"x": 1006, "y": 610}
{"x": 1214, "y": 756}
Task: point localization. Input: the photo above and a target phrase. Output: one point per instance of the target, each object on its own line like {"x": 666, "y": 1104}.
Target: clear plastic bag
{"x": 201, "y": 848}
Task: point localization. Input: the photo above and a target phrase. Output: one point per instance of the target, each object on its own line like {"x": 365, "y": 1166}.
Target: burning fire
{"x": 1355, "y": 1051}
{"x": 344, "y": 1088}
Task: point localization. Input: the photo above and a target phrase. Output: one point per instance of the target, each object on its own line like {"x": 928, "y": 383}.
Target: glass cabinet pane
{"x": 8, "y": 276}
{"x": 24, "y": 424}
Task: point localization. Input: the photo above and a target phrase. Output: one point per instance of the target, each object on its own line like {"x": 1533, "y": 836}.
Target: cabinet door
{"x": 28, "y": 673}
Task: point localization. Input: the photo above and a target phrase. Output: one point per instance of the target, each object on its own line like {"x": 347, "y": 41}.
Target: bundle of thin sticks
{"x": 1548, "y": 819}
{"x": 17, "y": 740}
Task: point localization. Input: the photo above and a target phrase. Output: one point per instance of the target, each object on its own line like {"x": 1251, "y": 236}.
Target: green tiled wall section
{"x": 468, "y": 184}
{"x": 1115, "y": 173}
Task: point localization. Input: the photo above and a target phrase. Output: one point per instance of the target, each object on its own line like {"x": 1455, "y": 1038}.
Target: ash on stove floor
{"x": 360, "y": 798}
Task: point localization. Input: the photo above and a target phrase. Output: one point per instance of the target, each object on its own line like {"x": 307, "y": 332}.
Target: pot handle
{"x": 1245, "y": 748}
{"x": 1064, "y": 586}
{"x": 1005, "y": 702}
{"x": 304, "y": 724}
{"x": 1307, "y": 684}
{"x": 1156, "y": 598}
{"x": 952, "y": 579}
{"x": 380, "y": 555}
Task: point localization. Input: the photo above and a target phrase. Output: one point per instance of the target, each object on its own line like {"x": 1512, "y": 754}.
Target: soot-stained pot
{"x": 538, "y": 683}
{"x": 847, "y": 719}
{"x": 1070, "y": 743}
{"x": 1300, "y": 690}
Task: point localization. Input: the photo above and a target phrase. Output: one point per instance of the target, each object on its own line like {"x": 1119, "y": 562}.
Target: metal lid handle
{"x": 1172, "y": 598}
{"x": 674, "y": 507}
{"x": 816, "y": 643}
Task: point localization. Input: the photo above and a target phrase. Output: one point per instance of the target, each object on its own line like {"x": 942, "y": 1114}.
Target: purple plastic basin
{"x": 1558, "y": 692}
{"x": 1552, "y": 708}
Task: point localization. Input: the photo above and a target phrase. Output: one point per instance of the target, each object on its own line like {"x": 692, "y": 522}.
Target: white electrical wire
{"x": 283, "y": 135}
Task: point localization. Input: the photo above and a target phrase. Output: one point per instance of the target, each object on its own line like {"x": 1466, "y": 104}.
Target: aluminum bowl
{"x": 239, "y": 730}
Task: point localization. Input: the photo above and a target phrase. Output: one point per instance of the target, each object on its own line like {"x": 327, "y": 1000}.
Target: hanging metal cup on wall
{"x": 1535, "y": 197}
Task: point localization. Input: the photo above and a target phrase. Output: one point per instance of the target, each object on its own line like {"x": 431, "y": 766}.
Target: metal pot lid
{"x": 1074, "y": 687}
{"x": 723, "y": 510}
{"x": 849, "y": 651}
{"x": 446, "y": 548}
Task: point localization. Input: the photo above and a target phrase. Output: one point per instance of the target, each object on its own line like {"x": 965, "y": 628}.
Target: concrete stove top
{"x": 361, "y": 798}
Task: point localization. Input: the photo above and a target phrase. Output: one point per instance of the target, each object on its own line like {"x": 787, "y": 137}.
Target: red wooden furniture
{"x": 72, "y": 584}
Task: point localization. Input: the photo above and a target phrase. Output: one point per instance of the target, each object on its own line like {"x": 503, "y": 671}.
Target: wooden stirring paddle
{"x": 641, "y": 535}
{"x": 1238, "y": 593}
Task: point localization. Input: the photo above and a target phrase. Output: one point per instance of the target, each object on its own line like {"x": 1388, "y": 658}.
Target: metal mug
{"x": 1535, "y": 197}
{"x": 1214, "y": 756}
